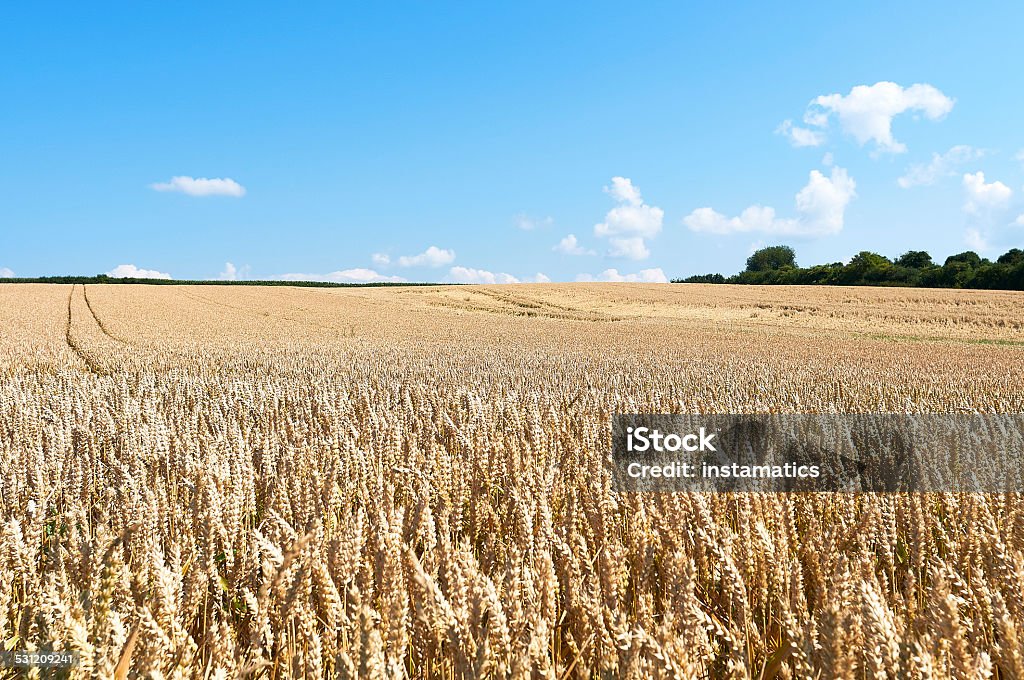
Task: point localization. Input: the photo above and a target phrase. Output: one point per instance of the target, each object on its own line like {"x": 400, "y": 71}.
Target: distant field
{"x": 198, "y": 481}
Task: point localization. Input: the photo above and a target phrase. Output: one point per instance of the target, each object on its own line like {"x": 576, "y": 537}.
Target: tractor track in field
{"x": 268, "y": 315}
{"x": 94, "y": 366}
{"x": 99, "y": 321}
{"x": 509, "y": 304}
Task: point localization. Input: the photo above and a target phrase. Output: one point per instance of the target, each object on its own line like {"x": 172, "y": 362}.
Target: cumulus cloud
{"x": 233, "y": 273}
{"x": 630, "y": 222}
{"x": 800, "y": 136}
{"x": 623, "y": 191}
{"x": 540, "y": 277}
{"x": 983, "y": 196}
{"x": 867, "y": 112}
{"x": 941, "y": 165}
{"x": 201, "y": 186}
{"x": 527, "y": 223}
{"x": 6, "y": 273}
{"x": 470, "y": 275}
{"x": 612, "y": 275}
{"x": 431, "y": 257}
{"x": 821, "y": 207}
{"x": 357, "y": 275}
{"x": 570, "y": 245}
{"x": 130, "y": 271}
{"x": 381, "y": 259}
{"x": 632, "y": 248}
{"x": 230, "y": 272}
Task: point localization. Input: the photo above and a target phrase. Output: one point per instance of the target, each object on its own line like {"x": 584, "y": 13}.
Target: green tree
{"x": 915, "y": 259}
{"x": 865, "y": 267}
{"x": 771, "y": 258}
{"x": 1011, "y": 257}
{"x": 968, "y": 257}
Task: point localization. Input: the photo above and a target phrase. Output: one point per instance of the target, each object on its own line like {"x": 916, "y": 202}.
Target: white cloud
{"x": 469, "y": 275}
{"x": 800, "y": 136}
{"x": 381, "y": 259}
{"x": 613, "y": 275}
{"x": 867, "y": 113}
{"x": 976, "y": 241}
{"x": 983, "y": 196}
{"x": 358, "y": 275}
{"x": 431, "y": 257}
{"x": 821, "y": 206}
{"x": 570, "y": 245}
{"x": 233, "y": 273}
{"x": 1020, "y": 156}
{"x": 527, "y": 223}
{"x": 630, "y": 222}
{"x": 540, "y": 277}
{"x": 1019, "y": 222}
{"x": 941, "y": 165}
{"x": 632, "y": 248}
{"x": 623, "y": 191}
{"x": 6, "y": 273}
{"x": 130, "y": 271}
{"x": 828, "y": 160}
{"x": 632, "y": 217}
{"x": 201, "y": 186}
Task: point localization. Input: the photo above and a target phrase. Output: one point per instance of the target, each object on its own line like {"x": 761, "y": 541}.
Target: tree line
{"x": 776, "y": 265}
{"x": 104, "y": 278}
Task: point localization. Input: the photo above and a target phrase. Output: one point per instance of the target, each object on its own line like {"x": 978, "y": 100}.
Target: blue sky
{"x": 414, "y": 140}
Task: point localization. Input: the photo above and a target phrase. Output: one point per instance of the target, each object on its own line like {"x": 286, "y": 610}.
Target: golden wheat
{"x": 295, "y": 483}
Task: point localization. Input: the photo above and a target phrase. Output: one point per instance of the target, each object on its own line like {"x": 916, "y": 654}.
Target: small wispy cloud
{"x": 470, "y": 275}
{"x": 800, "y": 136}
{"x": 976, "y": 241}
{"x": 233, "y": 273}
{"x": 655, "y": 275}
{"x": 431, "y": 257}
{"x": 201, "y": 186}
{"x": 6, "y": 273}
{"x": 941, "y": 165}
{"x": 357, "y": 275}
{"x": 570, "y": 245}
{"x": 527, "y": 223}
{"x": 381, "y": 259}
{"x": 130, "y": 271}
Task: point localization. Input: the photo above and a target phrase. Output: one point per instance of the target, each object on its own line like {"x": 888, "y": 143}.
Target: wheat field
{"x": 275, "y": 482}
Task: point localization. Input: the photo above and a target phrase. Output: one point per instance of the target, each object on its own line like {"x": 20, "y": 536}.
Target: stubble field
{"x": 207, "y": 481}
